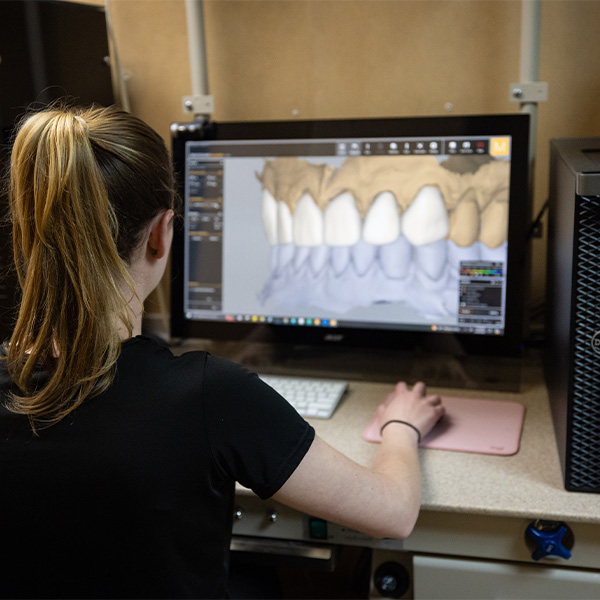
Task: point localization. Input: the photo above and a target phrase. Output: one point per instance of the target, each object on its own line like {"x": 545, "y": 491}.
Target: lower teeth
{"x": 341, "y": 278}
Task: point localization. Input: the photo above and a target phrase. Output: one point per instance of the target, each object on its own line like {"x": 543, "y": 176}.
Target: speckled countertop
{"x": 527, "y": 484}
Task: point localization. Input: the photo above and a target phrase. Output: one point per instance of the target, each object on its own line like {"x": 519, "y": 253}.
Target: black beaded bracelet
{"x": 403, "y": 423}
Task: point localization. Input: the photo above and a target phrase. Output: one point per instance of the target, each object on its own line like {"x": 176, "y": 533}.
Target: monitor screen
{"x": 374, "y": 232}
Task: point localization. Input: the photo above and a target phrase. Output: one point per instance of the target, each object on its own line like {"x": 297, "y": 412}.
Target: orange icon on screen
{"x": 500, "y": 146}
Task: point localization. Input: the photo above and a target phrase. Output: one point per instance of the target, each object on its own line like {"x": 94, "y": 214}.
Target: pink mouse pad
{"x": 470, "y": 425}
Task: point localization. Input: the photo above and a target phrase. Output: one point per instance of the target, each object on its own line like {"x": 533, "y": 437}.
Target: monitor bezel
{"x": 509, "y": 344}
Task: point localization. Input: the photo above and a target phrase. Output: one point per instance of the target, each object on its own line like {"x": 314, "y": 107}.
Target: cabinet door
{"x": 449, "y": 578}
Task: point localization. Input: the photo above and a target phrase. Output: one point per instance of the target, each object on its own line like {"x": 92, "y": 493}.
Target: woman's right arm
{"x": 382, "y": 500}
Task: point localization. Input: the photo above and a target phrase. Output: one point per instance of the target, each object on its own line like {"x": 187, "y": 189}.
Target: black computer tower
{"x": 572, "y": 354}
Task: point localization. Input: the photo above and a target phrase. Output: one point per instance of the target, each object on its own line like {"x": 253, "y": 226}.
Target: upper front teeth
{"x": 426, "y": 219}
{"x": 382, "y": 223}
{"x": 342, "y": 221}
{"x": 371, "y": 231}
{"x": 277, "y": 220}
{"x": 308, "y": 222}
{"x": 269, "y": 215}
{"x": 309, "y": 205}
{"x": 285, "y": 233}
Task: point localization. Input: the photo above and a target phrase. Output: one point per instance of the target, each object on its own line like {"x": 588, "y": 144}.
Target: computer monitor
{"x": 384, "y": 233}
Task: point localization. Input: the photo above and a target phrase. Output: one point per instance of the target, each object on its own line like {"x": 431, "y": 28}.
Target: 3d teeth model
{"x": 371, "y": 231}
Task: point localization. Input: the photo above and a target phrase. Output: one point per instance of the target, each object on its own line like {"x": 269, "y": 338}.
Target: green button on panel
{"x": 317, "y": 529}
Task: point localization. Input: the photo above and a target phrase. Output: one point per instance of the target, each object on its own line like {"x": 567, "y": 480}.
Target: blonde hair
{"x": 83, "y": 184}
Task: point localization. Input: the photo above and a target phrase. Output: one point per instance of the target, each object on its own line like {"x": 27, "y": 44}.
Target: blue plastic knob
{"x": 548, "y": 542}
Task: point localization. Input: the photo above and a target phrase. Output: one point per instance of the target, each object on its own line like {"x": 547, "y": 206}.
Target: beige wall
{"x": 284, "y": 59}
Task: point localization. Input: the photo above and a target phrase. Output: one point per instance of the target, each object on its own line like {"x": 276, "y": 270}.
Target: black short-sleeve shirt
{"x": 131, "y": 495}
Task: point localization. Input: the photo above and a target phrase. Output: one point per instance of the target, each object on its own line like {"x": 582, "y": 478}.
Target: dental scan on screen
{"x": 399, "y": 233}
{"x": 381, "y": 230}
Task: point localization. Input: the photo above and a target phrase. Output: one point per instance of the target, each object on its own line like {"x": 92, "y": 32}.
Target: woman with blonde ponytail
{"x": 118, "y": 460}
{"x": 71, "y": 291}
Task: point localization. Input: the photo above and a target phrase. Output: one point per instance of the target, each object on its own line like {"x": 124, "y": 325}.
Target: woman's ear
{"x": 161, "y": 234}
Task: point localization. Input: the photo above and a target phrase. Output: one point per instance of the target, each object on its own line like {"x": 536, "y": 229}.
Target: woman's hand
{"x": 414, "y": 406}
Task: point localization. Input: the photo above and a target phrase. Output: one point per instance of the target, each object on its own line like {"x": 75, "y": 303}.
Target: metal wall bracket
{"x": 198, "y": 105}
{"x": 531, "y": 91}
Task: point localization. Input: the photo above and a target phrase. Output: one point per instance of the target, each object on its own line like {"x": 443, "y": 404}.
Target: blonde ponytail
{"x": 69, "y": 173}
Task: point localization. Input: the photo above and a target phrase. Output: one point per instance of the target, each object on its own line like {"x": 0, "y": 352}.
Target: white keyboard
{"x": 310, "y": 397}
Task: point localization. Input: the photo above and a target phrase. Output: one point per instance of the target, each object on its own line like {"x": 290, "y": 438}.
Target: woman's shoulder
{"x": 143, "y": 350}
{"x": 156, "y": 365}
{"x": 153, "y": 345}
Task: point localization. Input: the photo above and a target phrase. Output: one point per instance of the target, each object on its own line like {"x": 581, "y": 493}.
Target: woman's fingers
{"x": 419, "y": 388}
